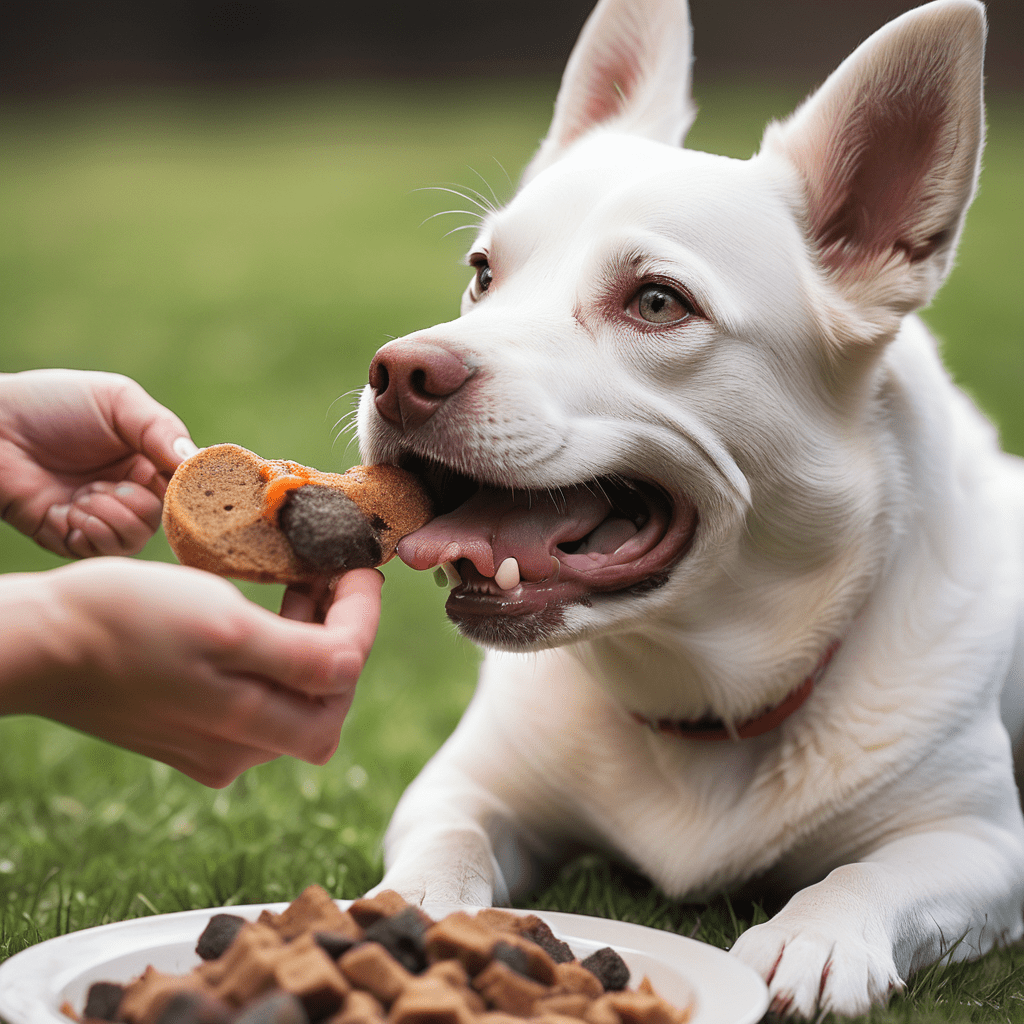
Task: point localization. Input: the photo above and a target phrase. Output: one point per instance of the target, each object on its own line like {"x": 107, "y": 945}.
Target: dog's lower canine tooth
{"x": 507, "y": 575}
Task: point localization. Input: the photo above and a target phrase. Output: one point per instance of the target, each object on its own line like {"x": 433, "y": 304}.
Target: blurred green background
{"x": 242, "y": 255}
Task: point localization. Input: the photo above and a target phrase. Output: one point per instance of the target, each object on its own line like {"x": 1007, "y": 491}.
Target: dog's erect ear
{"x": 888, "y": 150}
{"x": 630, "y": 69}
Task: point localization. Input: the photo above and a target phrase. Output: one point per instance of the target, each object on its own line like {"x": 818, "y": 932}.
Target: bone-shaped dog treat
{"x": 274, "y": 521}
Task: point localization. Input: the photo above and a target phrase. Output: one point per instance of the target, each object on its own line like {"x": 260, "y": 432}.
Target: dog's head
{"x": 659, "y": 399}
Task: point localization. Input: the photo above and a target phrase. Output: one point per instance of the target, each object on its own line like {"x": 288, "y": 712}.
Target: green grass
{"x": 242, "y": 257}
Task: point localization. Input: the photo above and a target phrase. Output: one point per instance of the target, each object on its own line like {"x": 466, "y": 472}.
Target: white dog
{"x": 749, "y": 565}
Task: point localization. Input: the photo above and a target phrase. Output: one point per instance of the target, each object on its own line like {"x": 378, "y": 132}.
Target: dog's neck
{"x": 710, "y": 727}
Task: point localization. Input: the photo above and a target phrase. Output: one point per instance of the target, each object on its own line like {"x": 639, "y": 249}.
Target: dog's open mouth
{"x": 520, "y": 551}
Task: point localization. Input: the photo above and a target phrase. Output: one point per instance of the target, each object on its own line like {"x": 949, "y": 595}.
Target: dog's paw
{"x": 813, "y": 969}
{"x": 441, "y": 888}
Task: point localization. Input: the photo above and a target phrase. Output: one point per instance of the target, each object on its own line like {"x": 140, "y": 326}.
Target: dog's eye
{"x": 484, "y": 276}
{"x": 659, "y": 304}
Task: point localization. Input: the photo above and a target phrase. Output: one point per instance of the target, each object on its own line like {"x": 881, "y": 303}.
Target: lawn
{"x": 242, "y": 256}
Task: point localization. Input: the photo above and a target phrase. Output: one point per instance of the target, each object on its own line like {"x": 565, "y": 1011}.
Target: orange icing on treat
{"x": 281, "y": 478}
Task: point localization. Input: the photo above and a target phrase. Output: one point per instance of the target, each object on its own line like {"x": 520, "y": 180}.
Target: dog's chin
{"x": 575, "y": 547}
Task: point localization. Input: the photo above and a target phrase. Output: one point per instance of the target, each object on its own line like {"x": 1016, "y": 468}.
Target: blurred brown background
{"x": 49, "y": 46}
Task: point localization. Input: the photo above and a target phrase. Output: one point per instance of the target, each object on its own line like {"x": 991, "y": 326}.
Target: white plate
{"x": 35, "y": 983}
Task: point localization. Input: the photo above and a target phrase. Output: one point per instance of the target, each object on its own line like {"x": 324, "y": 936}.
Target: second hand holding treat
{"x": 233, "y": 513}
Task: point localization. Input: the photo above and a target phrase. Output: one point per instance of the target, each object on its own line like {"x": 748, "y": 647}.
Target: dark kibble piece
{"x": 218, "y": 935}
{"x": 195, "y": 1008}
{"x": 328, "y": 530}
{"x": 544, "y": 937}
{"x": 334, "y": 943}
{"x": 279, "y": 1008}
{"x": 402, "y": 936}
{"x": 609, "y": 968}
{"x": 514, "y": 957}
{"x": 103, "y": 1000}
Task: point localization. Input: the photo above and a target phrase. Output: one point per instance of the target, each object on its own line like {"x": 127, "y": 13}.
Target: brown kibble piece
{"x": 539, "y": 965}
{"x": 103, "y": 1000}
{"x": 572, "y": 977}
{"x": 251, "y": 939}
{"x": 568, "y": 1004}
{"x": 304, "y": 970}
{"x": 464, "y": 938}
{"x": 371, "y": 967}
{"x": 645, "y": 1008}
{"x": 276, "y": 1008}
{"x": 360, "y": 1008}
{"x": 601, "y": 1011}
{"x": 371, "y": 909}
{"x": 431, "y": 1002}
{"x": 246, "y": 970}
{"x": 145, "y": 998}
{"x": 195, "y": 1008}
{"x": 549, "y": 1017}
{"x": 451, "y": 972}
{"x": 608, "y": 967}
{"x": 507, "y": 990}
{"x": 500, "y": 920}
{"x": 312, "y": 910}
{"x": 220, "y": 931}
{"x": 537, "y": 930}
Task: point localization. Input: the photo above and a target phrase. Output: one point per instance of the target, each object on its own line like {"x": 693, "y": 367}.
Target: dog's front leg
{"x": 851, "y": 939}
{"x": 438, "y": 847}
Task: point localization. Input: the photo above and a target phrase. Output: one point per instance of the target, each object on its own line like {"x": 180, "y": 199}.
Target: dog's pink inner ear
{"x": 879, "y": 187}
{"x": 605, "y": 84}
{"x": 888, "y": 151}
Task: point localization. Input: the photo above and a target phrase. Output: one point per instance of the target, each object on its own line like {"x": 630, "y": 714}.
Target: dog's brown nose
{"x": 411, "y": 380}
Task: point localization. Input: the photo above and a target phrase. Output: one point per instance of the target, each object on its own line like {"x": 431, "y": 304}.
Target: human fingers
{"x": 306, "y": 602}
{"x": 310, "y": 658}
{"x": 211, "y": 760}
{"x": 132, "y": 513}
{"x": 53, "y": 531}
{"x": 354, "y": 615}
{"x": 260, "y": 715}
{"x": 148, "y": 427}
{"x": 109, "y": 527}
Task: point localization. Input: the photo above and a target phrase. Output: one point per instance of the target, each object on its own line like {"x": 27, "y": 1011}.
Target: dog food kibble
{"x": 383, "y": 962}
{"x": 218, "y": 935}
{"x": 609, "y": 968}
{"x": 103, "y": 1001}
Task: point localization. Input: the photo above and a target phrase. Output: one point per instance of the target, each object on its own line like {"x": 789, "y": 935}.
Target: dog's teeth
{"x": 507, "y": 575}
{"x": 446, "y": 575}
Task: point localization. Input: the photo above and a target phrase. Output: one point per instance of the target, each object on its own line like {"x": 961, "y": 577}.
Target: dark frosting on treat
{"x": 328, "y": 530}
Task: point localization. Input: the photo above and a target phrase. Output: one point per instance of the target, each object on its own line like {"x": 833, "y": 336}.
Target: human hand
{"x": 176, "y": 664}
{"x": 84, "y": 460}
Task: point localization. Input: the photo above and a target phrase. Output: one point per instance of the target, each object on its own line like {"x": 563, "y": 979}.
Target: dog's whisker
{"x": 484, "y": 206}
{"x": 511, "y": 183}
{"x": 490, "y": 188}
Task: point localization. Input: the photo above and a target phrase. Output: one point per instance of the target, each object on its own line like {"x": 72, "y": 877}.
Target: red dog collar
{"x": 709, "y": 728}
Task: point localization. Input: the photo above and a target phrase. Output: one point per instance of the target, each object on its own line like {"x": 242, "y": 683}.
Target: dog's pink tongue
{"x": 496, "y": 524}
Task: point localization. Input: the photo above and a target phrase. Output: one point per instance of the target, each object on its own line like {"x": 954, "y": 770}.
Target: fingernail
{"x": 59, "y": 510}
{"x": 184, "y": 447}
{"x": 124, "y": 490}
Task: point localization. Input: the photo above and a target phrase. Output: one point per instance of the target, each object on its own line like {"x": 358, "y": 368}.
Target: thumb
{"x": 149, "y": 428}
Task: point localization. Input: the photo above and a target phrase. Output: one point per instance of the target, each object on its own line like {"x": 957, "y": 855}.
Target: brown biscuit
{"x": 371, "y": 967}
{"x": 231, "y": 512}
{"x": 312, "y": 910}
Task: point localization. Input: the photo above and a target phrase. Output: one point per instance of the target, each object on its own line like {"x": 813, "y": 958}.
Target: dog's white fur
{"x": 844, "y": 489}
